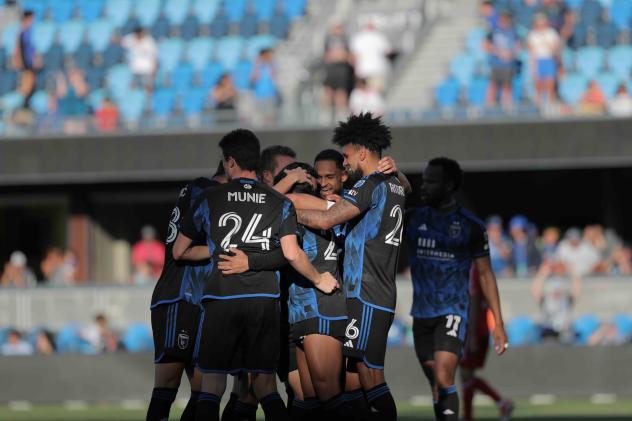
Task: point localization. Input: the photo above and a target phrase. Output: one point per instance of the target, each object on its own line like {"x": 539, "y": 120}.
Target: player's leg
{"x": 213, "y": 387}
{"x": 246, "y": 405}
{"x": 195, "y": 381}
{"x": 423, "y": 335}
{"x": 354, "y": 395}
{"x": 166, "y": 382}
{"x": 229, "y": 408}
{"x": 449, "y": 335}
{"x": 306, "y": 404}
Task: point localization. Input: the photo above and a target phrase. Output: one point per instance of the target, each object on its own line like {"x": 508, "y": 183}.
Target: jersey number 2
{"x": 248, "y": 236}
{"x": 394, "y": 238}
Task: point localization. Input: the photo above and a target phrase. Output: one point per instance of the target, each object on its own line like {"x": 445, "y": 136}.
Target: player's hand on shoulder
{"x": 327, "y": 283}
{"x": 500, "y": 340}
{"x": 387, "y": 165}
{"x": 234, "y": 263}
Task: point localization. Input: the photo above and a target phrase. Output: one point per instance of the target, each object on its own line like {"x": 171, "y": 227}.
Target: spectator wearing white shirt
{"x": 578, "y": 257}
{"x": 544, "y": 45}
{"x": 621, "y": 104}
{"x": 16, "y": 345}
{"x": 365, "y": 98}
{"x": 370, "y": 49}
{"x": 142, "y": 54}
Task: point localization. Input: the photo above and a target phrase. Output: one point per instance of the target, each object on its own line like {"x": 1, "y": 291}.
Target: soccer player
{"x": 240, "y": 328}
{"x": 475, "y": 354}
{"x": 175, "y": 312}
{"x": 374, "y": 208}
{"x": 443, "y": 240}
{"x": 274, "y": 159}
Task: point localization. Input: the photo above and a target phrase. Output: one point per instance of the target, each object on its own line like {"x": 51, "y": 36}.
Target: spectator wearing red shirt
{"x": 148, "y": 253}
{"x": 107, "y": 116}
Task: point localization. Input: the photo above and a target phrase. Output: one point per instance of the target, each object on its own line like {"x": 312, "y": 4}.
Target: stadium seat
{"x": 162, "y": 102}
{"x": 258, "y": 43}
{"x": 3, "y": 57}
{"x": 69, "y": 340}
{"x": 43, "y": 35}
{"x": 94, "y": 77}
{"x": 585, "y": 326}
{"x": 235, "y": 9}
{"x": 147, "y": 11}
{"x": 249, "y": 24}
{"x": 10, "y": 37}
{"x": 199, "y": 51}
{"x": 212, "y": 73}
{"x": 192, "y": 101}
{"x": 119, "y": 80}
{"x": 462, "y": 67}
{"x": 621, "y": 13}
{"x": 574, "y": 4}
{"x": 623, "y": 322}
{"x": 118, "y": 11}
{"x": 265, "y": 9}
{"x": 568, "y": 59}
{"x": 54, "y": 58}
{"x": 62, "y": 10}
{"x": 132, "y": 104}
{"x": 71, "y": 34}
{"x": 219, "y": 25}
{"x": 190, "y": 27}
{"x": 517, "y": 88}
{"x": 620, "y": 60}
{"x": 39, "y": 102}
{"x": 608, "y": 82}
{"x": 176, "y": 11}
{"x": 279, "y": 25}
{"x": 606, "y": 35}
{"x": 522, "y": 331}
{"x": 474, "y": 42}
{"x": 447, "y": 93}
{"x": 205, "y": 10}
{"x": 160, "y": 28}
{"x": 169, "y": 53}
{"x": 477, "y": 91}
{"x": 590, "y": 12}
{"x": 138, "y": 338}
{"x": 8, "y": 81}
{"x": 113, "y": 54}
{"x": 241, "y": 74}
{"x": 294, "y": 9}
{"x": 10, "y": 101}
{"x": 572, "y": 86}
{"x": 99, "y": 33}
{"x": 91, "y": 10}
{"x": 130, "y": 25}
{"x": 579, "y": 37}
{"x": 182, "y": 76}
{"x": 229, "y": 50}
{"x": 83, "y": 56}
{"x": 95, "y": 98}
{"x": 4, "y": 333}
{"x": 589, "y": 61}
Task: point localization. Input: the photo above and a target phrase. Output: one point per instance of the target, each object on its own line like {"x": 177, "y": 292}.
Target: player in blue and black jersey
{"x": 240, "y": 328}
{"x": 444, "y": 240}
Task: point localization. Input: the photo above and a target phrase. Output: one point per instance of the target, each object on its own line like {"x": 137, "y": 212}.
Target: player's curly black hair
{"x": 363, "y": 130}
{"x": 298, "y": 187}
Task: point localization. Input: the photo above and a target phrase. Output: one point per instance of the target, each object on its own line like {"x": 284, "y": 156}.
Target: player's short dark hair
{"x": 243, "y": 146}
{"x": 27, "y": 14}
{"x": 363, "y": 130}
{"x": 451, "y": 170}
{"x": 331, "y": 155}
{"x": 271, "y": 152}
{"x": 298, "y": 187}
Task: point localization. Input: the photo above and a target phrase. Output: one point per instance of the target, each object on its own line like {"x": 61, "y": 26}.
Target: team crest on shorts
{"x": 183, "y": 341}
{"x": 455, "y": 229}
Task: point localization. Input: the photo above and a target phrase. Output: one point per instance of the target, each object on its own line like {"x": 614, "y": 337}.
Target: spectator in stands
{"x": 550, "y": 240}
{"x": 16, "y": 274}
{"x": 555, "y": 11}
{"x": 44, "y": 343}
{"x": 72, "y": 91}
{"x": 620, "y": 262}
{"x": 593, "y": 101}
{"x": 263, "y": 80}
{"x": 24, "y": 58}
{"x": 503, "y": 45}
{"x": 567, "y": 31}
{"x": 224, "y": 94}
{"x": 107, "y": 116}
{"x": 544, "y": 46}
{"x": 338, "y": 71}
{"x": 578, "y": 257}
{"x": 621, "y": 104}
{"x": 370, "y": 50}
{"x": 15, "y": 345}
{"x": 55, "y": 268}
{"x": 148, "y": 254}
{"x": 499, "y": 247}
{"x": 51, "y": 120}
{"x": 489, "y": 15}
{"x": 364, "y": 98}
{"x": 100, "y": 336}
{"x": 142, "y": 56}
{"x": 607, "y": 334}
{"x": 525, "y": 256}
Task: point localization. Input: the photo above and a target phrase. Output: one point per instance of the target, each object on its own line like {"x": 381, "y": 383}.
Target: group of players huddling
{"x": 273, "y": 268}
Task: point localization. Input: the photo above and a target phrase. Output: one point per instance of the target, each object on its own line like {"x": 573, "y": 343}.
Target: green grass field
{"x": 562, "y": 410}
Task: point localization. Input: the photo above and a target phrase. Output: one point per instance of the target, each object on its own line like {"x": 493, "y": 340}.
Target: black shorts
{"x": 366, "y": 333}
{"x": 337, "y": 76}
{"x": 502, "y": 76}
{"x": 319, "y": 326}
{"x": 175, "y": 328}
{"x": 443, "y": 333}
{"x": 239, "y": 335}
{"x": 285, "y": 338}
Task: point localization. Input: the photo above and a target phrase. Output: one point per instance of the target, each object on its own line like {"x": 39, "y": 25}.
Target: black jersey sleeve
{"x": 479, "y": 247}
{"x": 361, "y": 195}
{"x": 288, "y": 220}
{"x": 192, "y": 225}
{"x": 267, "y": 261}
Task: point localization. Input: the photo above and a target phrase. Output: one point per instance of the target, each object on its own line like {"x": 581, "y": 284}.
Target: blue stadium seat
{"x": 69, "y": 340}
{"x": 462, "y": 67}
{"x": 585, "y": 326}
{"x": 119, "y": 80}
{"x": 621, "y": 13}
{"x": 90, "y": 10}
{"x": 113, "y": 54}
{"x": 220, "y": 24}
{"x": 447, "y": 93}
{"x": 235, "y": 9}
{"x": 199, "y": 51}
{"x": 579, "y": 37}
{"x": 99, "y": 33}
{"x": 10, "y": 37}
{"x": 3, "y": 57}
{"x": 118, "y": 11}
{"x": 241, "y": 74}
{"x": 176, "y": 11}
{"x": 608, "y": 82}
{"x": 83, "y": 56}
{"x": 568, "y": 59}
{"x": 590, "y": 12}
{"x": 193, "y": 101}
{"x": 71, "y": 34}
{"x": 160, "y": 28}
{"x": 606, "y": 35}
{"x": 95, "y": 98}
{"x": 130, "y": 24}
{"x": 517, "y": 88}
{"x": 147, "y": 11}
{"x": 94, "y": 77}
{"x": 138, "y": 338}
{"x": 169, "y": 53}
{"x": 620, "y": 60}
{"x": 294, "y": 9}
{"x": 258, "y": 43}
{"x": 265, "y": 9}
{"x": 54, "y": 58}
{"x": 623, "y": 322}
{"x": 38, "y": 7}
{"x": 229, "y": 50}
{"x": 211, "y": 74}
{"x": 8, "y": 81}
{"x": 279, "y": 25}
{"x": 182, "y": 76}
{"x": 574, "y": 4}
{"x": 162, "y": 102}
{"x": 522, "y": 331}
{"x": 132, "y": 104}
{"x": 572, "y": 86}
{"x": 589, "y": 61}
{"x": 205, "y": 10}
{"x": 477, "y": 91}
{"x": 190, "y": 27}
{"x": 43, "y": 35}
{"x": 249, "y": 25}
{"x": 62, "y": 10}
{"x": 10, "y": 101}
{"x": 39, "y": 102}
{"x": 4, "y": 333}
{"x": 474, "y": 42}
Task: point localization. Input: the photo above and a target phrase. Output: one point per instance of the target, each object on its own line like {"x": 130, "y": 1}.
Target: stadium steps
{"x": 429, "y": 64}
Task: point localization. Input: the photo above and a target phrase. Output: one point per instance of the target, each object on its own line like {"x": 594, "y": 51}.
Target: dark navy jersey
{"x": 442, "y": 248}
{"x": 373, "y": 240}
{"x": 181, "y": 280}
{"x": 305, "y": 300}
{"x": 246, "y": 214}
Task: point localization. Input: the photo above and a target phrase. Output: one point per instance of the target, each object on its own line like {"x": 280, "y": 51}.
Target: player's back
{"x": 373, "y": 241}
